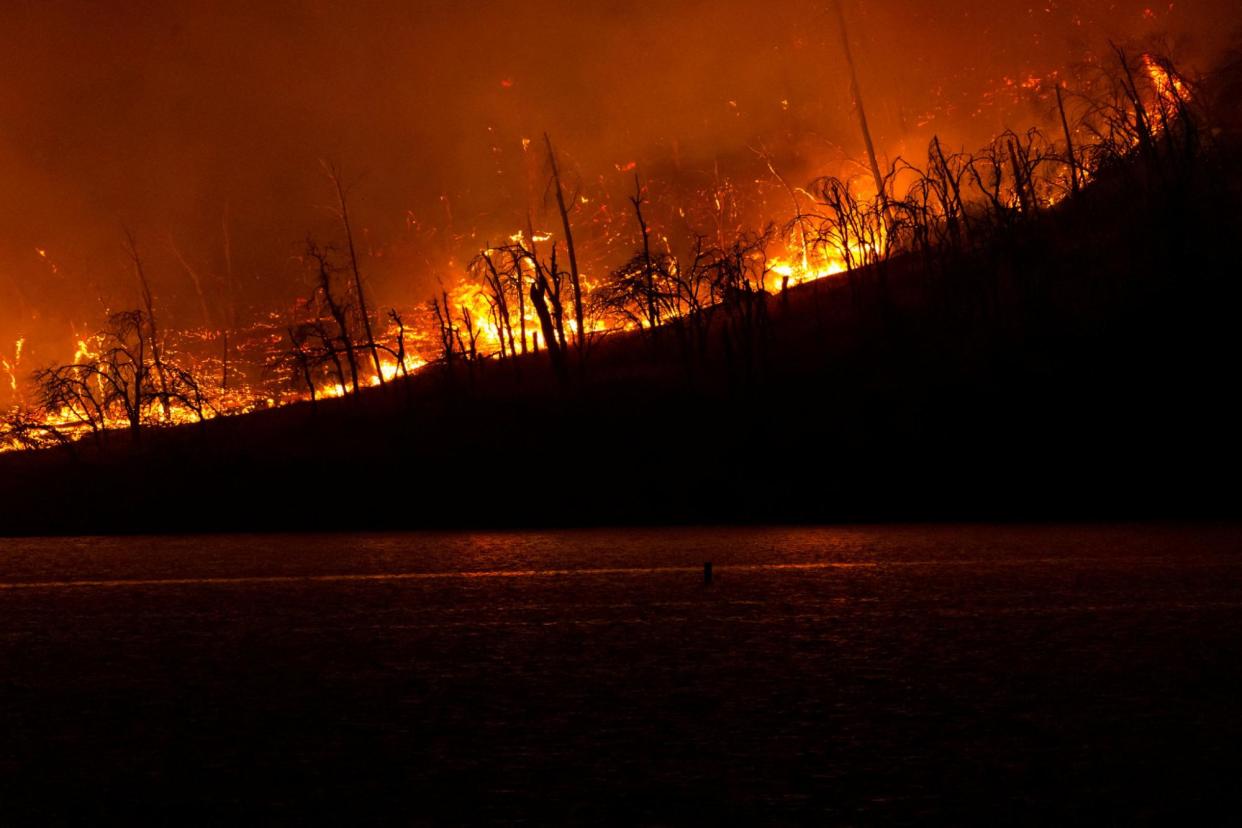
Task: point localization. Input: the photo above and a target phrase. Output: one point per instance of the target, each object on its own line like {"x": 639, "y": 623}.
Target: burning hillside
{"x": 678, "y": 247}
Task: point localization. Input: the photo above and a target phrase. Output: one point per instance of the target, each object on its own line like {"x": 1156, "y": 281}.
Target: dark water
{"x": 860, "y": 675}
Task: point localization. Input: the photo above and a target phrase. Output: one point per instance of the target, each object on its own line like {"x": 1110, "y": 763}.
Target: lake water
{"x": 852, "y": 675}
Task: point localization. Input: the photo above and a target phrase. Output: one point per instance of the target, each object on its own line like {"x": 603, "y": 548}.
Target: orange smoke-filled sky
{"x": 179, "y": 120}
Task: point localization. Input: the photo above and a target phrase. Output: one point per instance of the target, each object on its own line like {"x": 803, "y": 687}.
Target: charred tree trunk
{"x": 338, "y": 315}
{"x": 1025, "y": 199}
{"x": 517, "y": 259}
{"x": 1142, "y": 120}
{"x": 357, "y": 274}
{"x": 555, "y": 302}
{"x": 329, "y": 344}
{"x": 400, "y": 323}
{"x": 856, "y": 95}
{"x": 134, "y": 407}
{"x": 148, "y": 300}
{"x": 574, "y": 278}
{"x": 521, "y": 294}
{"x": 504, "y": 325}
{"x": 549, "y": 281}
{"x": 538, "y": 297}
{"x": 955, "y": 214}
{"x": 298, "y": 352}
{"x": 649, "y": 286}
{"x": 1070, "y": 157}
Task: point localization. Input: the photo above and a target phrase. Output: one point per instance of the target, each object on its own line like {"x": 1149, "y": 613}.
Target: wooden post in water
{"x": 707, "y": 573}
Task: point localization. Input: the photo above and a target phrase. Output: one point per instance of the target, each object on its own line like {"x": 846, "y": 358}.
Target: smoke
{"x": 199, "y": 125}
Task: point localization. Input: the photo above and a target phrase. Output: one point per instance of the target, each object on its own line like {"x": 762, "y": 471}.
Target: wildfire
{"x": 848, "y": 224}
{"x": 11, "y": 368}
{"x": 799, "y": 271}
{"x": 1170, "y": 88}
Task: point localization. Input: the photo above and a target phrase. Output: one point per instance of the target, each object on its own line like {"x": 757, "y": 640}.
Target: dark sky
{"x": 167, "y": 116}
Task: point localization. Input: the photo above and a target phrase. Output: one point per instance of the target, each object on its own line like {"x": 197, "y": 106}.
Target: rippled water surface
{"x": 859, "y": 674}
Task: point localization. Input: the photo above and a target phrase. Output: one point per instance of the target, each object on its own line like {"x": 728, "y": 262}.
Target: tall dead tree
{"x": 549, "y": 277}
{"x": 122, "y": 368}
{"x": 498, "y": 284}
{"x": 946, "y": 182}
{"x": 1142, "y": 120}
{"x": 443, "y": 313}
{"x": 301, "y": 359}
{"x": 231, "y": 314}
{"x": 1070, "y": 158}
{"x": 343, "y": 213}
{"x": 555, "y": 277}
{"x": 323, "y": 275}
{"x": 517, "y": 264}
{"x": 649, "y": 280}
{"x": 119, "y": 383}
{"x": 1021, "y": 182}
{"x": 469, "y": 345}
{"x": 400, "y": 355}
{"x": 859, "y": 109}
{"x": 538, "y": 298}
{"x": 148, "y": 301}
{"x": 195, "y": 280}
{"x": 800, "y": 217}
{"x": 574, "y": 277}
{"x": 546, "y": 300}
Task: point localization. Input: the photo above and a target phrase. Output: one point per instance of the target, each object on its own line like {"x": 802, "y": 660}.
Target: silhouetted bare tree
{"x": 499, "y": 284}
{"x": 120, "y": 384}
{"x": 575, "y": 280}
{"x": 339, "y": 341}
{"x": 359, "y": 295}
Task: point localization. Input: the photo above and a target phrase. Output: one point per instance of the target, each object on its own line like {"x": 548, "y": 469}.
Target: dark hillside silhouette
{"x": 1008, "y": 359}
{"x": 1082, "y": 364}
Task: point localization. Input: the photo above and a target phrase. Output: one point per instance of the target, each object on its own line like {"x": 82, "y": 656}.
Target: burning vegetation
{"x": 705, "y": 261}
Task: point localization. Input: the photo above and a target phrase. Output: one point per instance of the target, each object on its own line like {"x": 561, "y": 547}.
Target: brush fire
{"x": 620, "y": 251}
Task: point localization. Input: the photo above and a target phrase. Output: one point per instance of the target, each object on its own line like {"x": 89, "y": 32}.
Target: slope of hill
{"x": 1081, "y": 364}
